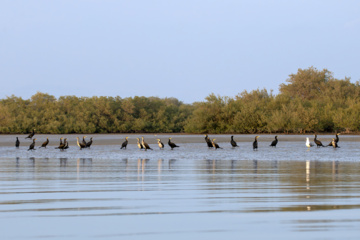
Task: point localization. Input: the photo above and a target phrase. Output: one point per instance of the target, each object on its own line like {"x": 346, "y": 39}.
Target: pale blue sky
{"x": 185, "y": 49}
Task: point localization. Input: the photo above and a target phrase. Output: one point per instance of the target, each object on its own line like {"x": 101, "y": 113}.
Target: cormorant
{"x": 232, "y": 142}
{"x": 88, "y": 144}
{"x": 145, "y": 145}
{"x": 31, "y": 134}
{"x": 208, "y": 141}
{"x": 161, "y": 145}
{"x": 32, "y": 145}
{"x": 308, "y": 143}
{"x": 124, "y": 144}
{"x": 44, "y": 144}
{"x": 65, "y": 145}
{"x": 171, "y": 144}
{"x": 83, "y": 141}
{"x": 140, "y": 146}
{"x": 255, "y": 143}
{"x": 80, "y": 144}
{"x": 334, "y": 143}
{"x": 336, "y": 139}
{"x": 273, "y": 143}
{"x": 215, "y": 145}
{"x": 317, "y": 142}
{"x": 17, "y": 143}
{"x": 61, "y": 145}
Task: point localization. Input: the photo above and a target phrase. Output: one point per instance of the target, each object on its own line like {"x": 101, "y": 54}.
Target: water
{"x": 191, "y": 192}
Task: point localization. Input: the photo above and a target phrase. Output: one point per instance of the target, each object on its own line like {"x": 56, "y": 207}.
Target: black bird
{"x": 124, "y": 144}
{"x": 31, "y": 134}
{"x": 317, "y": 142}
{"x": 273, "y": 143}
{"x": 65, "y": 145}
{"x": 215, "y": 145}
{"x": 88, "y": 144}
{"x": 80, "y": 144}
{"x": 145, "y": 145}
{"x": 255, "y": 143}
{"x": 171, "y": 144}
{"x": 140, "y": 146}
{"x": 61, "y": 145}
{"x": 334, "y": 143}
{"x": 232, "y": 142}
{"x": 44, "y": 144}
{"x": 83, "y": 141}
{"x": 336, "y": 139}
{"x": 17, "y": 143}
{"x": 160, "y": 143}
{"x": 32, "y": 145}
{"x": 208, "y": 141}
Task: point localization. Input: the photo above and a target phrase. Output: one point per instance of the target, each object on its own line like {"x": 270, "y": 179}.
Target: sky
{"x": 185, "y": 49}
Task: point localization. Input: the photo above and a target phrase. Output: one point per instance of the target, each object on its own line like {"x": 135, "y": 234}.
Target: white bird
{"x": 308, "y": 143}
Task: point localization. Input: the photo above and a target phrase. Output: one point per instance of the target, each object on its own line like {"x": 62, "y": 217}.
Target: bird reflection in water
{"x": 32, "y": 161}
{"x": 63, "y": 163}
{"x": 85, "y": 164}
{"x": 255, "y": 166}
{"x": 141, "y": 168}
{"x": 17, "y": 164}
{"x": 171, "y": 162}
{"x": 335, "y": 170}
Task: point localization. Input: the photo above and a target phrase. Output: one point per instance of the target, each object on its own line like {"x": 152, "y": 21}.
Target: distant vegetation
{"x": 310, "y": 101}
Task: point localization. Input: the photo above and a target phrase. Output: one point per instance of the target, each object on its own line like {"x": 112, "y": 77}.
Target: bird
{"x": 308, "y": 143}
{"x": 140, "y": 146}
{"x": 336, "y": 139}
{"x": 61, "y": 145}
{"x": 124, "y": 144}
{"x": 145, "y": 145}
{"x": 317, "y": 142}
{"x": 64, "y": 145}
{"x": 255, "y": 143}
{"x": 161, "y": 145}
{"x": 83, "y": 140}
{"x": 32, "y": 145}
{"x": 208, "y": 141}
{"x": 215, "y": 145}
{"x": 88, "y": 144}
{"x": 17, "y": 142}
{"x": 31, "y": 134}
{"x": 171, "y": 144}
{"x": 334, "y": 143}
{"x": 273, "y": 143}
{"x": 80, "y": 144}
{"x": 44, "y": 144}
{"x": 232, "y": 142}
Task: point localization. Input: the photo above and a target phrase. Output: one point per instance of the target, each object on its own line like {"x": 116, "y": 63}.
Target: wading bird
{"x": 32, "y": 145}
{"x": 308, "y": 143}
{"x": 215, "y": 145}
{"x": 145, "y": 145}
{"x": 17, "y": 142}
{"x": 317, "y": 142}
{"x": 31, "y": 134}
{"x": 160, "y": 143}
{"x": 255, "y": 143}
{"x": 273, "y": 143}
{"x": 334, "y": 143}
{"x": 44, "y": 144}
{"x": 208, "y": 141}
{"x": 140, "y": 146}
{"x": 125, "y": 143}
{"x": 336, "y": 139}
{"x": 88, "y": 144}
{"x": 171, "y": 144}
{"x": 80, "y": 144}
{"x": 232, "y": 142}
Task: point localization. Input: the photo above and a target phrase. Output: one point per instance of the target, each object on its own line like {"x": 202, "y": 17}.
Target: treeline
{"x": 310, "y": 101}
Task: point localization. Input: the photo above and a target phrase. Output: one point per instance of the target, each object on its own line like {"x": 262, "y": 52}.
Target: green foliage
{"x": 311, "y": 101}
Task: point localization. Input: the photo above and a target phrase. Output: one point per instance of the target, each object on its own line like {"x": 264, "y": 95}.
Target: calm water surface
{"x": 288, "y": 192}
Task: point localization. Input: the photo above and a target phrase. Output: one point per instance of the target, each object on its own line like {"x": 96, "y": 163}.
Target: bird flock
{"x": 142, "y": 145}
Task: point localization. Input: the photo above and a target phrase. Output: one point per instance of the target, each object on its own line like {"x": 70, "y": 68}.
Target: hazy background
{"x": 183, "y": 49}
